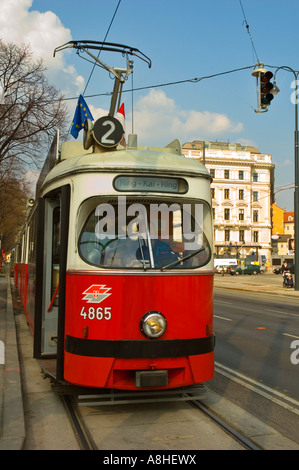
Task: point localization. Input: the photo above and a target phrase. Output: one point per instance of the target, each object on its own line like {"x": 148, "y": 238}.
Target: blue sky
{"x": 185, "y": 40}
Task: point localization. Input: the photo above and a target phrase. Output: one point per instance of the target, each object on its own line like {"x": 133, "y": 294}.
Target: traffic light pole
{"x": 296, "y": 196}
{"x": 296, "y": 158}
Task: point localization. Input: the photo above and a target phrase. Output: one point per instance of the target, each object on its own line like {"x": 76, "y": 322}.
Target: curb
{"x": 13, "y": 422}
{"x": 258, "y": 289}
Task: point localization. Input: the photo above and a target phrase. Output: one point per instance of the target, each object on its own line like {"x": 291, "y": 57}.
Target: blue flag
{"x": 82, "y": 112}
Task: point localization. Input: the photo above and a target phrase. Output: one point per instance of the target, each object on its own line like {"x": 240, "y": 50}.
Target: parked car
{"x": 247, "y": 269}
{"x": 292, "y": 268}
{"x": 279, "y": 271}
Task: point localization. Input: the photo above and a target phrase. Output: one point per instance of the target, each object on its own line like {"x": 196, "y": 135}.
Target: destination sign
{"x": 151, "y": 184}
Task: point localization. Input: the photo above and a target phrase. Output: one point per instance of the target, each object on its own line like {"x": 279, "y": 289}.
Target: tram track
{"x": 276, "y": 410}
{"x": 81, "y": 431}
{"x": 92, "y": 415}
{"x": 247, "y": 443}
{"x": 87, "y": 442}
{"x": 247, "y": 433}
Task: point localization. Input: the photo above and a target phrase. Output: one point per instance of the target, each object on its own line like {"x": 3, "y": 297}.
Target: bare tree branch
{"x": 32, "y": 109}
{"x": 31, "y": 113}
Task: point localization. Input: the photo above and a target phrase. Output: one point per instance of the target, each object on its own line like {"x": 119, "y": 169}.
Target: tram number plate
{"x": 108, "y": 131}
{"x": 99, "y": 313}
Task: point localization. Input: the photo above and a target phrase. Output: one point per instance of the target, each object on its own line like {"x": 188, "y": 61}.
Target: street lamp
{"x": 296, "y": 194}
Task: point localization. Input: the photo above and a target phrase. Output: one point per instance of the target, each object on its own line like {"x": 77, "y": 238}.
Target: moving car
{"x": 247, "y": 269}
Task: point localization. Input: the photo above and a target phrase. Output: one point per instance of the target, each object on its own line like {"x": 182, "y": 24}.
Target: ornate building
{"x": 242, "y": 196}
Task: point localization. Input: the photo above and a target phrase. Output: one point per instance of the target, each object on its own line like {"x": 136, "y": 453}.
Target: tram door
{"x": 52, "y": 237}
{"x": 52, "y": 231}
{"x": 51, "y": 276}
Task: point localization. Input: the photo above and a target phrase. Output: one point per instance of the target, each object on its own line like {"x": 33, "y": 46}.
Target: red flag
{"x": 120, "y": 115}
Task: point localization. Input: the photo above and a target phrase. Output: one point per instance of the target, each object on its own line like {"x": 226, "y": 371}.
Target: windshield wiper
{"x": 141, "y": 251}
{"x": 178, "y": 261}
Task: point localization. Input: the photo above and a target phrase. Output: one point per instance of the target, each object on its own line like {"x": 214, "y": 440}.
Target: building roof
{"x": 289, "y": 217}
{"x": 198, "y": 144}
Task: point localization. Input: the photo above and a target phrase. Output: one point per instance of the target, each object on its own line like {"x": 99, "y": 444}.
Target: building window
{"x": 212, "y": 193}
{"x": 255, "y": 216}
{"x": 226, "y": 174}
{"x": 255, "y": 177}
{"x": 255, "y": 237}
{"x": 212, "y": 172}
{"x": 226, "y": 214}
{"x": 241, "y": 214}
{"x": 241, "y": 235}
{"x": 213, "y": 212}
{"x": 255, "y": 196}
{"x": 241, "y": 193}
{"x": 227, "y": 235}
{"x": 241, "y": 174}
{"x": 226, "y": 194}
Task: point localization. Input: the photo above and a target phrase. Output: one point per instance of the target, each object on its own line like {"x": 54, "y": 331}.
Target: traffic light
{"x": 264, "y": 88}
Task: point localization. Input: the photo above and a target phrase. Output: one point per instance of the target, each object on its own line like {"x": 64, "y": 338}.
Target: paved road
{"x": 255, "y": 333}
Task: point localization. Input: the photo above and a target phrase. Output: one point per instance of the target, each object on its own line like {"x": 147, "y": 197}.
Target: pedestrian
{"x": 284, "y": 269}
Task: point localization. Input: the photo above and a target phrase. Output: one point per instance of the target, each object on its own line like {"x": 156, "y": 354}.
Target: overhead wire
{"x": 248, "y": 31}
{"x": 95, "y": 63}
{"x": 108, "y": 30}
{"x": 192, "y": 80}
{"x": 161, "y": 85}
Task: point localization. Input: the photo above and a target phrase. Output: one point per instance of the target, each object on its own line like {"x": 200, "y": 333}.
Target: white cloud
{"x": 157, "y": 118}
{"x": 97, "y": 112}
{"x": 43, "y": 32}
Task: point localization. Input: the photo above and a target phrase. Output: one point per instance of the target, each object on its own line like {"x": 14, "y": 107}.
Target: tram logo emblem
{"x": 96, "y": 293}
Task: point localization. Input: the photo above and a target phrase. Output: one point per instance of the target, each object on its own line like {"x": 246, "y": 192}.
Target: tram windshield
{"x": 146, "y": 234}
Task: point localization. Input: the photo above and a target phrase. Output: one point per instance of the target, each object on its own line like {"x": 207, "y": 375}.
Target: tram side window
{"x": 145, "y": 239}
{"x": 32, "y": 243}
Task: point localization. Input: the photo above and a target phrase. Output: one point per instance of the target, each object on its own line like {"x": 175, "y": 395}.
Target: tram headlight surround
{"x": 153, "y": 324}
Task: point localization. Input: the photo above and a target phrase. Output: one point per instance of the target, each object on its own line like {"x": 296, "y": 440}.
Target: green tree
{"x": 13, "y": 210}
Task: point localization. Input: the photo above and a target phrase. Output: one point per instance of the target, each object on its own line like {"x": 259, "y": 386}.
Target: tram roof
{"x": 146, "y": 159}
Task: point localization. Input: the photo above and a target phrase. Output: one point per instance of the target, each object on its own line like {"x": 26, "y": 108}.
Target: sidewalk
{"x": 267, "y": 283}
{"x": 12, "y": 424}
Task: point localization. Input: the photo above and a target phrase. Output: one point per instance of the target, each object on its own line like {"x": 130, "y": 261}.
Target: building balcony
{"x": 233, "y": 224}
{"x": 241, "y": 224}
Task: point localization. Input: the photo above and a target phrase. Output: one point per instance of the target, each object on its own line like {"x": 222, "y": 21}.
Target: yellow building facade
{"x": 277, "y": 220}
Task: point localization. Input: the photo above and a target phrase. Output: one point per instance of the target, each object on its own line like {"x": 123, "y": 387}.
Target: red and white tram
{"x": 115, "y": 267}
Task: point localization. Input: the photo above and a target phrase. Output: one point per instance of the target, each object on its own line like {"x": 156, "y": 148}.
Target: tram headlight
{"x": 153, "y": 324}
